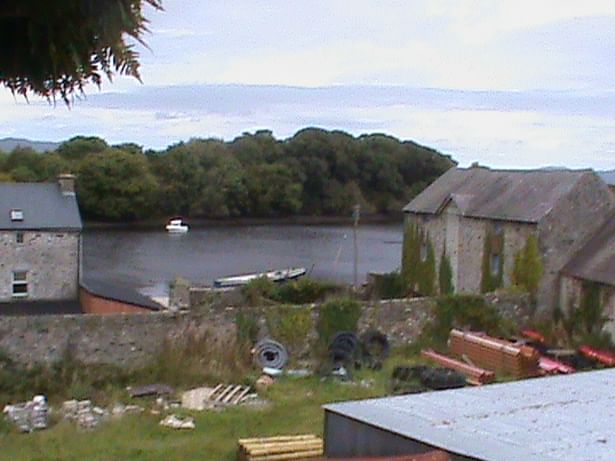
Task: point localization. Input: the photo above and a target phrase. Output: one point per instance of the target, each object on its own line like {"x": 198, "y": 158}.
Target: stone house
{"x": 40, "y": 236}
{"x": 40, "y": 257}
{"x": 470, "y": 229}
{"x": 590, "y": 275}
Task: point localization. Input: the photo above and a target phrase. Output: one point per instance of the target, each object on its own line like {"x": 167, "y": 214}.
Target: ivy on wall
{"x": 528, "y": 270}
{"x": 493, "y": 245}
{"x": 445, "y": 275}
{"x": 418, "y": 261}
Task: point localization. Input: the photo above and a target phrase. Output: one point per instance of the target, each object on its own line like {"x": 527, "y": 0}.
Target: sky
{"x": 510, "y": 84}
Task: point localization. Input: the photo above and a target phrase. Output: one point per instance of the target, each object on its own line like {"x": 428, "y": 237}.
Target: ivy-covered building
{"x": 588, "y": 280}
{"x": 477, "y": 229}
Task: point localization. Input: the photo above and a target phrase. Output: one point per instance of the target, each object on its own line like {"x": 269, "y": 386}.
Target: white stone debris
{"x": 83, "y": 413}
{"x": 178, "y": 422}
{"x": 197, "y": 399}
{"x": 120, "y": 410}
{"x": 29, "y": 416}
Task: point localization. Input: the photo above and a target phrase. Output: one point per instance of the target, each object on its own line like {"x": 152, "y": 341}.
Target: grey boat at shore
{"x": 281, "y": 275}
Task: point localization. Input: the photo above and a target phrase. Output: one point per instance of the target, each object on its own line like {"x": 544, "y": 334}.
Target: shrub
{"x": 390, "y": 286}
{"x": 464, "y": 312}
{"x": 289, "y": 325}
{"x": 337, "y": 315}
{"x": 258, "y": 290}
{"x": 302, "y": 291}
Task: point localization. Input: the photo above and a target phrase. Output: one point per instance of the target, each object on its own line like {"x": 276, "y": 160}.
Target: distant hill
{"x": 608, "y": 176}
{"x": 8, "y": 144}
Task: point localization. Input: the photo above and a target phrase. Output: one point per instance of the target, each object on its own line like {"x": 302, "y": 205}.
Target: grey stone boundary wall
{"x": 132, "y": 340}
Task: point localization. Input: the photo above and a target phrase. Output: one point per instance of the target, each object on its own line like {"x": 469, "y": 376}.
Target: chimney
{"x": 67, "y": 183}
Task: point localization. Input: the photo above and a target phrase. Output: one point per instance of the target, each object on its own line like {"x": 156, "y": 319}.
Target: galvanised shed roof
{"x": 511, "y": 195}
{"x": 43, "y": 205}
{"x": 564, "y": 418}
{"x": 596, "y": 260}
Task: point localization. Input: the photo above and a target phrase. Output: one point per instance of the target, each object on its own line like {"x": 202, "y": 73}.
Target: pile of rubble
{"x": 29, "y": 416}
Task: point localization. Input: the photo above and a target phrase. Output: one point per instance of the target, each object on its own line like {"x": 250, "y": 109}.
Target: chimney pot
{"x": 67, "y": 183}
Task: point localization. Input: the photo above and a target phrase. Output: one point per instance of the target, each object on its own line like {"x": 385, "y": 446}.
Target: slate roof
{"x": 43, "y": 205}
{"x": 122, "y": 293}
{"x": 596, "y": 260}
{"x": 511, "y": 195}
{"x": 563, "y": 418}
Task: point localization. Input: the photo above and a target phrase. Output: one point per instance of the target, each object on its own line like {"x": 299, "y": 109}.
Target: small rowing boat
{"x": 282, "y": 275}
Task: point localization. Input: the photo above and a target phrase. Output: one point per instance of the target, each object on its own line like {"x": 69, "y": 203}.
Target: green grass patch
{"x": 295, "y": 407}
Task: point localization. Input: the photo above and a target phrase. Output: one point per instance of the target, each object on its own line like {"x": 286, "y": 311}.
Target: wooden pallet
{"x": 229, "y": 394}
{"x": 280, "y": 448}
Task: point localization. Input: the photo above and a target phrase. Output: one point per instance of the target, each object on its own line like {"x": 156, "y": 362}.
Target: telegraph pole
{"x": 356, "y": 212}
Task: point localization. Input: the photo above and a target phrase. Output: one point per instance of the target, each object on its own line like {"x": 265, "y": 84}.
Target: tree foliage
{"x": 56, "y": 47}
{"x": 315, "y": 172}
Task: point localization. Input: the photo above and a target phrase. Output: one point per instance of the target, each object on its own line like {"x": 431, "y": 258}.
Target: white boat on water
{"x": 275, "y": 276}
{"x": 176, "y": 226}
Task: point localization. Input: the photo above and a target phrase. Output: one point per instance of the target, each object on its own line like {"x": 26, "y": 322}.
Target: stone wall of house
{"x": 51, "y": 260}
{"x": 464, "y": 240}
{"x": 566, "y": 228}
{"x": 130, "y": 340}
{"x": 570, "y": 294}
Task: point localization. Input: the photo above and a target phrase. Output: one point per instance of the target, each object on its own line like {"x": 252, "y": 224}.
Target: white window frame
{"x": 18, "y": 281}
{"x": 16, "y": 214}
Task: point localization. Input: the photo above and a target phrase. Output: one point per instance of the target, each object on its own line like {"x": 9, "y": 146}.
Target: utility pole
{"x": 356, "y": 212}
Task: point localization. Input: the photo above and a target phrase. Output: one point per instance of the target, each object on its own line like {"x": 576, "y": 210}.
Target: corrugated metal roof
{"x": 596, "y": 260}
{"x": 565, "y": 418}
{"x": 512, "y": 195}
{"x": 120, "y": 293}
{"x": 42, "y": 204}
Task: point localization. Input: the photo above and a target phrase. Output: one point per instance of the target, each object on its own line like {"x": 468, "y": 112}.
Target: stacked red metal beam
{"x": 604, "y": 357}
{"x": 473, "y": 374}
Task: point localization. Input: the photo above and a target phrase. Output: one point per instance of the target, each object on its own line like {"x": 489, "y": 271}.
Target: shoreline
{"x": 240, "y": 222}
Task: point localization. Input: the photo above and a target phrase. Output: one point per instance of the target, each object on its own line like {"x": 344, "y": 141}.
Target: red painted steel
{"x": 604, "y": 357}
{"x": 533, "y": 335}
{"x": 549, "y": 365}
{"x": 474, "y": 374}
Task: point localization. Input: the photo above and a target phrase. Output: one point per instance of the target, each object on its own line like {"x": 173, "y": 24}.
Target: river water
{"x": 149, "y": 260}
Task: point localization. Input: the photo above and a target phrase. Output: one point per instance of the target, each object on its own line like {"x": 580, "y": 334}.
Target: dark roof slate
{"x": 43, "y": 205}
{"x": 121, "y": 293}
{"x": 596, "y": 260}
{"x": 511, "y": 195}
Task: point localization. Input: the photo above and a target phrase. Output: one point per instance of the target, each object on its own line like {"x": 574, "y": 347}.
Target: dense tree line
{"x": 315, "y": 172}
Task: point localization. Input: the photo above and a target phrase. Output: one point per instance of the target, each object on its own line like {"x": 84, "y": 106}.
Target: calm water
{"x": 148, "y": 260}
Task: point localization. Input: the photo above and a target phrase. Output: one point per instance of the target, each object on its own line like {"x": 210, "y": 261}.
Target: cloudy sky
{"x": 509, "y": 83}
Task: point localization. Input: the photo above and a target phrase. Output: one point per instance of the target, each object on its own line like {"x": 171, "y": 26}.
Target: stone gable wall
{"x": 50, "y": 258}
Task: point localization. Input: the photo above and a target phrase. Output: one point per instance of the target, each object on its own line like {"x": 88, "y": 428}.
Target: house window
{"x": 19, "y": 237}
{"x": 494, "y": 264}
{"x": 20, "y": 284}
{"x": 498, "y": 228}
{"x": 16, "y": 214}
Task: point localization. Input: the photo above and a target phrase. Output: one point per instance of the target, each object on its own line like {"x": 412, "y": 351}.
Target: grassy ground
{"x": 295, "y": 407}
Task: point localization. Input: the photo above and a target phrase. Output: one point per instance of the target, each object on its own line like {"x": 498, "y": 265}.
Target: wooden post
{"x": 356, "y": 214}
